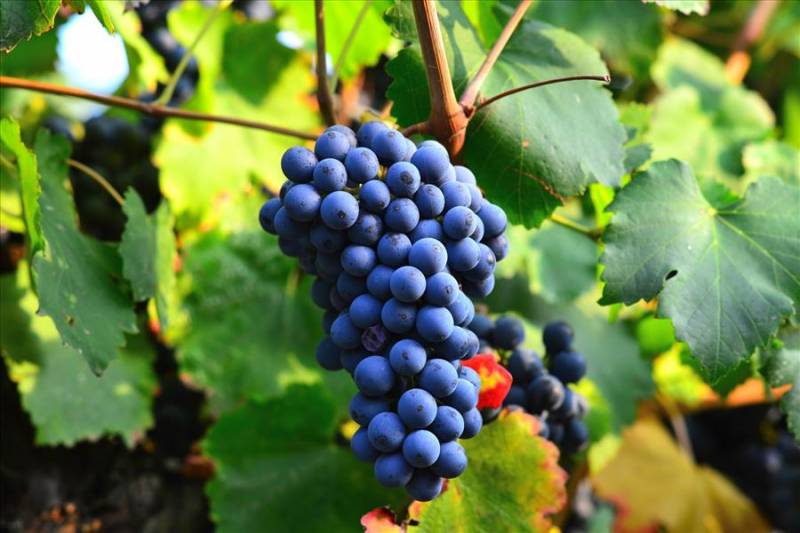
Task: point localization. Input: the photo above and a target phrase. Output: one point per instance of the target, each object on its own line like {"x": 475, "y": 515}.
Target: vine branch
{"x": 604, "y": 78}
{"x": 96, "y": 176}
{"x": 592, "y": 233}
{"x": 324, "y": 96}
{"x": 470, "y": 94}
{"x": 169, "y": 90}
{"x": 738, "y": 62}
{"x": 348, "y": 42}
{"x": 146, "y": 108}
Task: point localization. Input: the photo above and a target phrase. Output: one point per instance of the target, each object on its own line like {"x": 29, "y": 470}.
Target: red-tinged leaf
{"x": 495, "y": 379}
{"x": 381, "y": 520}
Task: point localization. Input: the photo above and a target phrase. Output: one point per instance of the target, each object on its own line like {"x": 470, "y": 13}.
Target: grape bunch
{"x": 400, "y": 241}
{"x": 538, "y": 390}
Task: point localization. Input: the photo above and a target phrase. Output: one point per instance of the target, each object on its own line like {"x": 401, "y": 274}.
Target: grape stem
{"x": 324, "y": 96}
{"x": 146, "y": 108}
{"x": 738, "y": 62}
{"x": 678, "y": 423}
{"x": 592, "y": 233}
{"x": 470, "y": 94}
{"x": 96, "y": 176}
{"x": 169, "y": 90}
{"x": 604, "y": 78}
{"x": 348, "y": 43}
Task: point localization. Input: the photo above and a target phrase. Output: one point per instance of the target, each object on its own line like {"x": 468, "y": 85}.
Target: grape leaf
{"x": 77, "y": 277}
{"x": 253, "y": 328}
{"x": 530, "y": 150}
{"x": 29, "y": 58}
{"x": 148, "y": 250}
{"x": 28, "y": 183}
{"x": 513, "y": 483}
{"x": 371, "y": 40}
{"x": 687, "y": 7}
{"x": 629, "y": 48}
{"x": 66, "y": 402}
{"x": 281, "y": 458}
{"x": 21, "y": 20}
{"x": 726, "y": 277}
{"x": 772, "y": 158}
{"x": 668, "y": 491}
{"x": 480, "y": 14}
{"x": 100, "y": 10}
{"x": 781, "y": 366}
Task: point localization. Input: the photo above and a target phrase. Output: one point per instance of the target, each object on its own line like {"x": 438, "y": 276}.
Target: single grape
{"x": 367, "y": 131}
{"x": 288, "y": 228}
{"x": 386, "y": 432}
{"x": 456, "y": 194}
{"x": 407, "y": 284}
{"x": 524, "y": 365}
{"x": 374, "y": 196}
{"x": 398, "y": 317}
{"x": 473, "y": 422}
{"x": 378, "y": 282}
{"x": 390, "y": 146}
{"x": 328, "y": 266}
{"x": 266, "y": 215}
{"x": 392, "y": 470}
{"x": 459, "y": 222}
{"x": 479, "y": 289}
{"x": 320, "y": 293}
{"x": 331, "y": 144}
{"x": 417, "y": 408}
{"x": 439, "y": 378}
{"x": 351, "y": 358}
{"x": 339, "y": 210}
{"x": 330, "y": 175}
{"x": 462, "y": 309}
{"x": 508, "y": 333}
{"x": 328, "y": 355}
{"x": 465, "y": 175}
{"x": 362, "y": 448}
{"x": 545, "y": 393}
{"x": 374, "y": 376}
{"x": 430, "y": 201}
{"x": 407, "y": 357}
{"x": 499, "y": 246}
{"x": 344, "y": 333}
{"x": 433, "y": 163}
{"x": 576, "y": 436}
{"x": 347, "y": 132}
{"x": 424, "y": 485}
{"x": 327, "y": 320}
{"x": 431, "y": 143}
{"x": 421, "y": 448}
{"x": 403, "y": 179}
{"x": 557, "y": 337}
{"x": 475, "y": 202}
{"x": 482, "y": 325}
{"x": 364, "y": 408}
{"x": 285, "y": 188}
{"x": 365, "y": 311}
{"x": 441, "y": 289}
{"x": 516, "y": 396}
{"x": 427, "y": 228}
{"x": 367, "y": 229}
{"x": 393, "y": 249}
{"x": 464, "y": 398}
{"x": 428, "y": 255}
{"x": 472, "y": 376}
{"x": 337, "y": 301}
{"x": 297, "y": 164}
{"x": 448, "y": 424}
{"x": 362, "y": 165}
{"x": 569, "y": 367}
{"x": 411, "y": 149}
{"x": 434, "y": 324}
{"x": 402, "y": 215}
{"x": 485, "y": 267}
{"x": 494, "y": 219}
{"x": 452, "y": 461}
{"x": 375, "y": 338}
{"x": 302, "y": 202}
{"x": 568, "y": 409}
{"x": 350, "y": 287}
{"x": 454, "y": 347}
{"x": 463, "y": 254}
{"x": 327, "y": 240}
{"x": 358, "y": 260}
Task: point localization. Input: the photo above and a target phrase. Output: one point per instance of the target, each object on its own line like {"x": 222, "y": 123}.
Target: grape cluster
{"x": 400, "y": 240}
{"x": 538, "y": 390}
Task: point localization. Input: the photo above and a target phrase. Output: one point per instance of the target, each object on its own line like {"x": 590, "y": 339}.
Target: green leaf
{"x": 148, "y": 250}
{"x": 772, "y": 158}
{"x": 481, "y": 14}
{"x": 781, "y": 366}
{"x": 29, "y": 58}
{"x": 687, "y": 7}
{"x": 530, "y": 150}
{"x": 371, "y": 40}
{"x": 100, "y": 10}
{"x": 682, "y": 62}
{"x": 66, "y": 402}
{"x": 630, "y": 47}
{"x": 253, "y": 328}
{"x": 281, "y": 458}
{"x": 22, "y": 19}
{"x": 77, "y": 277}
{"x": 513, "y": 483}
{"x": 726, "y": 277}
{"x": 28, "y": 183}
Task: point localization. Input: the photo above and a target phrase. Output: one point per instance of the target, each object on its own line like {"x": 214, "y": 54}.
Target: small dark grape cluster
{"x": 400, "y": 240}
{"x": 538, "y": 390}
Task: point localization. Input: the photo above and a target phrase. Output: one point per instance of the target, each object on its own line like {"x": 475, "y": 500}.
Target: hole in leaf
{"x": 671, "y": 274}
